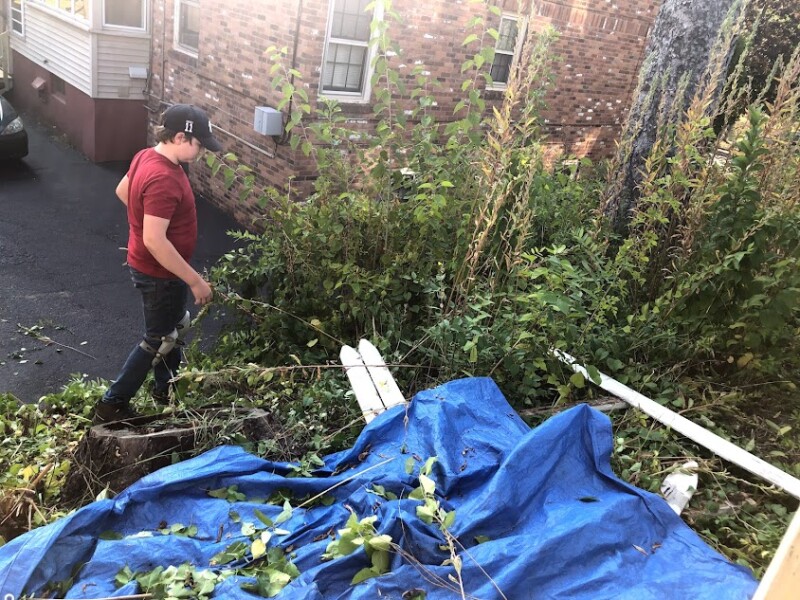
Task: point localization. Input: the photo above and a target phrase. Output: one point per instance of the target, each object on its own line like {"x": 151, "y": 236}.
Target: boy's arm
{"x": 122, "y": 190}
{"x": 154, "y": 235}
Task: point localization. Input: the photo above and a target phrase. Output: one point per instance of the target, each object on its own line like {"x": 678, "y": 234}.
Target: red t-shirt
{"x": 160, "y": 188}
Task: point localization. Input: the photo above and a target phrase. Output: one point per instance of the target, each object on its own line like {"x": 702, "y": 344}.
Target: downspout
{"x": 163, "y": 49}
{"x": 148, "y": 86}
{"x": 285, "y": 138}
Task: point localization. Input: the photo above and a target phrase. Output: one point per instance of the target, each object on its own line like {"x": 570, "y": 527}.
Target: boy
{"x": 162, "y": 222}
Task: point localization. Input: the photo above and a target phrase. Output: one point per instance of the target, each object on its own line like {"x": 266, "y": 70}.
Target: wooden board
{"x": 372, "y": 382}
{"x": 782, "y": 579}
{"x": 719, "y": 446}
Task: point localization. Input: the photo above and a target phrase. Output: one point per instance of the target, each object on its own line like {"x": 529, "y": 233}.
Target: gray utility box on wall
{"x": 268, "y": 121}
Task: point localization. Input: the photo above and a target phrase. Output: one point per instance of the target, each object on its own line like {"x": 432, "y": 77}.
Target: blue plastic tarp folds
{"x": 558, "y": 522}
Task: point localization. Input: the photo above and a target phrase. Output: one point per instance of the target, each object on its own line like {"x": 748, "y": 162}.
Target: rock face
{"x": 681, "y": 43}
{"x": 114, "y": 455}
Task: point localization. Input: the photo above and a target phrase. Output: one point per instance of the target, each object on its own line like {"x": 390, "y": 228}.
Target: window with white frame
{"x": 125, "y": 13}
{"x": 75, "y": 8}
{"x": 346, "y": 66}
{"x": 17, "y": 21}
{"x": 187, "y": 25}
{"x": 504, "y": 49}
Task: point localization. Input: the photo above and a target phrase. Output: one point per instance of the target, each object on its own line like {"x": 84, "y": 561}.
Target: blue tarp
{"x": 553, "y": 519}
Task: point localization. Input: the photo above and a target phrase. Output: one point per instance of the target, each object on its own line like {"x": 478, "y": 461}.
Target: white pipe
{"x": 719, "y": 446}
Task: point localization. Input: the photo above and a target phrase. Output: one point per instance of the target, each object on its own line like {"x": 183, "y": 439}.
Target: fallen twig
{"x": 132, "y": 597}
{"x": 48, "y": 341}
{"x": 343, "y": 481}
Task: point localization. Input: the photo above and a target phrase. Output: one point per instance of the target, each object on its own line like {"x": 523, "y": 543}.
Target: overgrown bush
{"x": 459, "y": 250}
{"x": 481, "y": 258}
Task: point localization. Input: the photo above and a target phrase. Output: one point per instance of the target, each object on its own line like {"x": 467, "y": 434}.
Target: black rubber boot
{"x": 106, "y": 413}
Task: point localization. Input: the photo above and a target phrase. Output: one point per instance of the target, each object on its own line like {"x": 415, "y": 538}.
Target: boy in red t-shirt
{"x": 162, "y": 223}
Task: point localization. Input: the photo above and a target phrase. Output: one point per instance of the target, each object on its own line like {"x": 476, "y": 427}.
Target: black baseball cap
{"x": 187, "y": 118}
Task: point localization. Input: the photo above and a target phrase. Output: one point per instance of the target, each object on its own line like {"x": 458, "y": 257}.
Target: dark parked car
{"x": 13, "y": 137}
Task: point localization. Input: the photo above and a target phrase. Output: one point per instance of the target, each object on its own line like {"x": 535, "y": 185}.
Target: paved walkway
{"x": 61, "y": 267}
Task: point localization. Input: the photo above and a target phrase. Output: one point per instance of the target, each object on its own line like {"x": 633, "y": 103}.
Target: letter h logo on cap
{"x": 189, "y": 119}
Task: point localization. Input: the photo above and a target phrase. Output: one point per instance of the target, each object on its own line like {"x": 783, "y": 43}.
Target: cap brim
{"x": 211, "y": 143}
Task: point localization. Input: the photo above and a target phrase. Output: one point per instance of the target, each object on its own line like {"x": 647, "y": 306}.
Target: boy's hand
{"x": 202, "y": 292}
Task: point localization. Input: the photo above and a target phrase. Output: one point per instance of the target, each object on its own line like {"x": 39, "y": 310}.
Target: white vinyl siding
{"x": 70, "y": 59}
{"x": 114, "y": 54}
{"x": 95, "y": 62}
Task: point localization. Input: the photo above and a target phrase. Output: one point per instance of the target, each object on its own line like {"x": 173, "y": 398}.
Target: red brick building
{"x": 212, "y": 53}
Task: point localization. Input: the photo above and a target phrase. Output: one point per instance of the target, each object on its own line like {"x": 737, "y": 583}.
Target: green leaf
{"x": 123, "y": 577}
{"x": 233, "y": 552}
{"x": 594, "y": 374}
{"x": 258, "y": 548}
{"x": 425, "y": 513}
{"x": 578, "y": 380}
{"x": 363, "y": 575}
{"x": 380, "y": 561}
{"x": 427, "y": 484}
{"x": 380, "y": 542}
{"x": 219, "y": 493}
{"x": 428, "y": 466}
{"x": 263, "y": 518}
{"x": 615, "y": 364}
{"x": 286, "y": 513}
{"x": 449, "y": 519}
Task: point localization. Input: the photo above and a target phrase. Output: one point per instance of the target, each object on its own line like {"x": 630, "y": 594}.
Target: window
{"x": 124, "y": 13}
{"x": 504, "y": 50}
{"x": 345, "y": 71}
{"x": 76, "y": 8}
{"x": 187, "y": 25}
{"x": 16, "y": 17}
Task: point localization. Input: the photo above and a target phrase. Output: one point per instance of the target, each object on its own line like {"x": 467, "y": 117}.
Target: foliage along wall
{"x": 601, "y": 46}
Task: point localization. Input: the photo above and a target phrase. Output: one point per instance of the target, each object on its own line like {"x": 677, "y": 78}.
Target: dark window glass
{"x": 344, "y": 68}
{"x": 504, "y": 50}
{"x": 189, "y": 35}
{"x": 501, "y": 67}
{"x": 345, "y": 64}
{"x": 508, "y": 35}
{"x": 350, "y": 21}
{"x": 16, "y": 15}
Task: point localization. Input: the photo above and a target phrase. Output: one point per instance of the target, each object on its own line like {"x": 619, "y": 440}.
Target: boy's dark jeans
{"x": 164, "y": 305}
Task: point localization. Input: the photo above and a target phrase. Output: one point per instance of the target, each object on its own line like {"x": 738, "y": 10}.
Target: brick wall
{"x": 601, "y": 45}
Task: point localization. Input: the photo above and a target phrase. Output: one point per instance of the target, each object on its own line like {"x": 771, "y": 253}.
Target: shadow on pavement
{"x": 16, "y": 170}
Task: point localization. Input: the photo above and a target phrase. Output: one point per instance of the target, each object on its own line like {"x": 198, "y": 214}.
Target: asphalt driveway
{"x": 61, "y": 267}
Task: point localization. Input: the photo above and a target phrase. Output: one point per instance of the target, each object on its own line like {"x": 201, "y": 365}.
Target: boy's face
{"x": 189, "y": 149}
